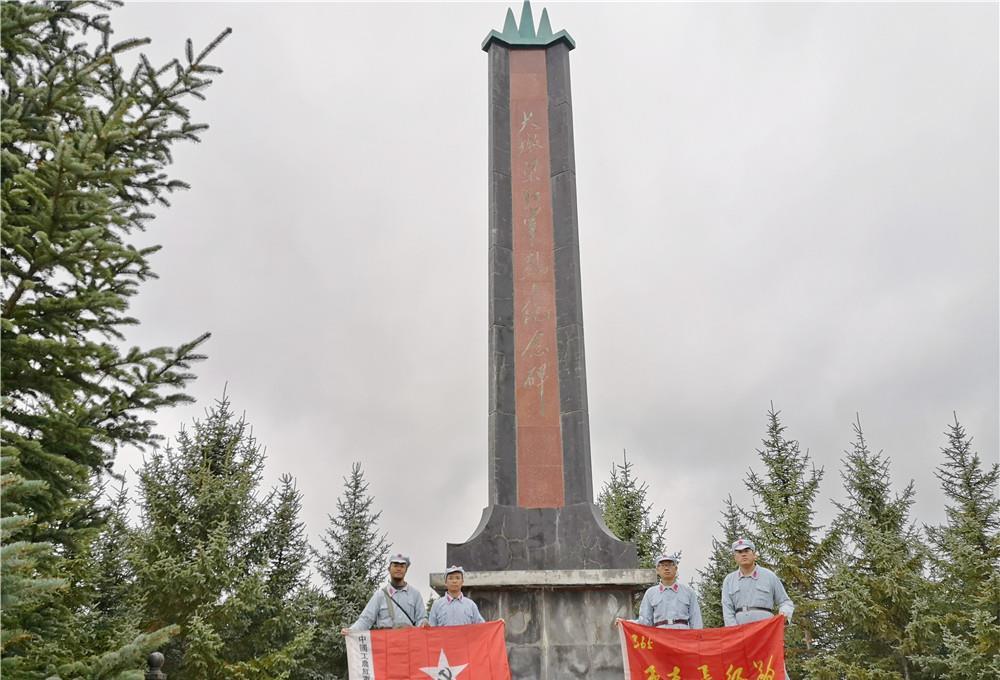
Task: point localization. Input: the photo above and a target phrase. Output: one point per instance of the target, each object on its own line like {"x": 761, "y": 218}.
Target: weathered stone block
{"x": 522, "y": 611}
{"x": 561, "y": 156}
{"x": 568, "y": 661}
{"x": 569, "y": 303}
{"x": 502, "y": 465}
{"x": 499, "y": 111}
{"x": 557, "y": 74}
{"x": 565, "y": 229}
{"x": 525, "y": 662}
{"x": 559, "y": 623}
{"x": 606, "y": 662}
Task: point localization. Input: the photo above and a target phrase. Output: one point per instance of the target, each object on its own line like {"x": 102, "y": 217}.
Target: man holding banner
{"x": 454, "y": 609}
{"x": 751, "y": 652}
{"x": 392, "y": 641}
{"x": 395, "y": 605}
{"x": 754, "y": 650}
{"x": 669, "y": 604}
{"x": 752, "y": 592}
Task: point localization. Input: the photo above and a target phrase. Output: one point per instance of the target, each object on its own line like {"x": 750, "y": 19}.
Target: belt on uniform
{"x": 670, "y": 622}
{"x": 759, "y": 609}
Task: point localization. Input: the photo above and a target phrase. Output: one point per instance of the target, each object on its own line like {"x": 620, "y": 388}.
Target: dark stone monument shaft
{"x": 541, "y": 557}
{"x": 541, "y": 513}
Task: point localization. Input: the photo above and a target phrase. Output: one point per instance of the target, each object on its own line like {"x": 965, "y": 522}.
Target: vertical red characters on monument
{"x": 536, "y": 362}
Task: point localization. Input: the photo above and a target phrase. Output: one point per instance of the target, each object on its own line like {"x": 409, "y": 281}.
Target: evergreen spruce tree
{"x": 24, "y": 590}
{"x": 216, "y": 558}
{"x": 628, "y": 515}
{"x": 720, "y": 564}
{"x": 286, "y": 544}
{"x": 85, "y": 152}
{"x": 875, "y": 577}
{"x": 112, "y": 618}
{"x": 784, "y": 497}
{"x": 311, "y": 607}
{"x": 352, "y": 565}
{"x": 955, "y": 628}
{"x": 288, "y": 618}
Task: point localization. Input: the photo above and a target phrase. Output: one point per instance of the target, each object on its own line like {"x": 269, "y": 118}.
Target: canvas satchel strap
{"x": 390, "y": 601}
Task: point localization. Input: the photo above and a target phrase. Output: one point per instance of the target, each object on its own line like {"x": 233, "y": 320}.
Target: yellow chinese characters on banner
{"x": 754, "y": 651}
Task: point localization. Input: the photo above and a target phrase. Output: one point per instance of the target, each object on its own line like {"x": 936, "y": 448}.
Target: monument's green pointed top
{"x": 544, "y": 27}
{"x": 525, "y": 35}
{"x": 527, "y": 27}
{"x": 510, "y": 24}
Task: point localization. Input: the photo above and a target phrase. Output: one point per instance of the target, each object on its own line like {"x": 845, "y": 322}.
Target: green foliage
{"x": 285, "y": 618}
{"x": 955, "y": 628}
{"x": 286, "y": 544}
{"x": 84, "y": 152}
{"x": 876, "y": 576}
{"x": 352, "y": 565}
{"x": 627, "y": 514}
{"x": 313, "y": 609}
{"x": 110, "y": 664}
{"x": 24, "y": 589}
{"x": 111, "y": 618}
{"x": 720, "y": 564}
{"x": 784, "y": 498}
{"x": 214, "y": 557}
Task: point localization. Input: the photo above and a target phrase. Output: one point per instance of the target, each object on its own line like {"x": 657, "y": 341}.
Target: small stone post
{"x": 153, "y": 665}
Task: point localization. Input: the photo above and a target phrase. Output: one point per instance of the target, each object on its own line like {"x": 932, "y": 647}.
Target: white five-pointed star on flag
{"x": 443, "y": 671}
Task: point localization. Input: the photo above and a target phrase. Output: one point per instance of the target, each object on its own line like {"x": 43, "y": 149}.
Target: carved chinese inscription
{"x": 539, "y": 434}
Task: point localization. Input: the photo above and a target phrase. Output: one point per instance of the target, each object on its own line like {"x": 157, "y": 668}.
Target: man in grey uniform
{"x": 752, "y": 592}
{"x": 669, "y": 604}
{"x": 454, "y": 609}
{"x": 395, "y": 605}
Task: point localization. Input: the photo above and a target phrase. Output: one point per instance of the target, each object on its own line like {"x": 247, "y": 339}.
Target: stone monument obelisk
{"x": 541, "y": 557}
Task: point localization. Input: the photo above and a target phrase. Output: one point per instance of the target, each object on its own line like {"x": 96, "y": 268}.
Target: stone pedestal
{"x": 560, "y": 623}
{"x": 570, "y": 537}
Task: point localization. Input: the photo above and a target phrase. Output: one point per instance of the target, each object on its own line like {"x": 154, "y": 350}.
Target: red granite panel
{"x": 536, "y": 365}
{"x": 546, "y": 485}
{"x": 539, "y": 445}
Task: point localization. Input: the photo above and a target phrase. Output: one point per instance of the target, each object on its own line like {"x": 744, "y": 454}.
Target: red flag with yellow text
{"x": 753, "y": 651}
{"x": 475, "y": 652}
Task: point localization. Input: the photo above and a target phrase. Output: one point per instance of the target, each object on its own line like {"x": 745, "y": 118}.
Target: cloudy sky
{"x": 793, "y": 203}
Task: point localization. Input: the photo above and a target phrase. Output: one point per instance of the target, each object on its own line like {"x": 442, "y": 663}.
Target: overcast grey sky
{"x": 787, "y": 202}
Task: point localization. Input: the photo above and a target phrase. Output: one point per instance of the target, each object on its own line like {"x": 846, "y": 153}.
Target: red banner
{"x": 475, "y": 652}
{"x": 753, "y": 651}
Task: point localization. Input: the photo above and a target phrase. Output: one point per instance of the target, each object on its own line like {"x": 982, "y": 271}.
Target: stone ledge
{"x": 512, "y": 538}
{"x": 552, "y": 578}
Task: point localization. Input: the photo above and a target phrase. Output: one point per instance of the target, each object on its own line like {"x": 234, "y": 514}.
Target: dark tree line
{"x": 876, "y": 596}
{"x": 86, "y": 146}
{"x": 214, "y": 571}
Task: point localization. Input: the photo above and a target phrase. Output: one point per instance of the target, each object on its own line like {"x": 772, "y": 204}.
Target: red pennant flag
{"x": 753, "y": 651}
{"x": 475, "y": 652}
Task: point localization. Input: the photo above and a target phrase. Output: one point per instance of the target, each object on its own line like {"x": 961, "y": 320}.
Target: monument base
{"x": 569, "y": 537}
{"x": 559, "y": 623}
